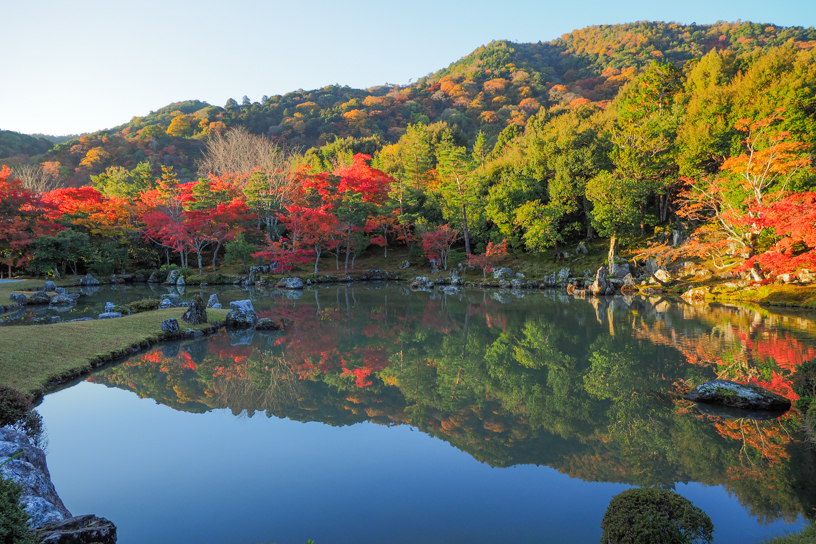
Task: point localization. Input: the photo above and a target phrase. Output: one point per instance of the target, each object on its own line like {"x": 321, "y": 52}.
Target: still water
{"x": 381, "y": 415}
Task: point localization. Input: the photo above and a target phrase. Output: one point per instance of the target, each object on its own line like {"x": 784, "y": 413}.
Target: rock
{"x": 502, "y": 273}
{"x": 677, "y": 237}
{"x": 581, "y": 249}
{"x": 82, "y": 319}
{"x": 39, "y": 298}
{"x": 404, "y": 265}
{"x": 290, "y": 283}
{"x": 78, "y": 530}
{"x": 18, "y": 298}
{"x": 629, "y": 280}
{"x": 651, "y": 265}
{"x": 806, "y": 276}
{"x": 212, "y": 301}
{"x": 629, "y": 289}
{"x": 109, "y": 306}
{"x": 29, "y": 471}
{"x": 196, "y": 314}
{"x": 601, "y": 285}
{"x": 266, "y": 324}
{"x": 587, "y": 273}
{"x": 165, "y": 303}
{"x": 170, "y": 326}
{"x": 60, "y": 290}
{"x": 154, "y": 277}
{"x": 241, "y": 336}
{"x": 50, "y": 287}
{"x": 174, "y": 298}
{"x": 450, "y": 289}
{"x": 737, "y": 395}
{"x": 420, "y": 282}
{"x": 216, "y": 306}
{"x": 88, "y": 281}
{"x": 651, "y": 291}
{"x": 703, "y": 273}
{"x": 619, "y": 270}
{"x": 57, "y": 300}
{"x": 109, "y": 315}
{"x": 520, "y": 275}
{"x": 172, "y": 277}
{"x": 241, "y": 315}
{"x": 695, "y": 294}
{"x": 663, "y": 275}
{"x": 181, "y": 282}
{"x": 516, "y": 283}
{"x": 563, "y": 275}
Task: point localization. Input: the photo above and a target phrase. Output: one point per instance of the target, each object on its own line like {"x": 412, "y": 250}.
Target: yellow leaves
{"x": 355, "y": 117}
{"x": 181, "y": 126}
{"x": 489, "y": 117}
{"x": 377, "y": 101}
{"x": 500, "y": 100}
{"x": 495, "y": 86}
{"x": 529, "y": 106}
{"x": 95, "y": 157}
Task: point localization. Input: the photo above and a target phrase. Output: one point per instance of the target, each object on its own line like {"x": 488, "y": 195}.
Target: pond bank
{"x": 34, "y": 360}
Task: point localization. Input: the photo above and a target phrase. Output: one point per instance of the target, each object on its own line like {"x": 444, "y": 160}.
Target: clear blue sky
{"x": 85, "y": 65}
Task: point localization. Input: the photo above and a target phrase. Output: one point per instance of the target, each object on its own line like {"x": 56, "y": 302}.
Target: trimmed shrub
{"x": 13, "y": 517}
{"x": 654, "y": 516}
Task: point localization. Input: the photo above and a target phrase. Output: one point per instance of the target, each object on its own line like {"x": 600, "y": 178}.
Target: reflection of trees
{"x": 589, "y": 391}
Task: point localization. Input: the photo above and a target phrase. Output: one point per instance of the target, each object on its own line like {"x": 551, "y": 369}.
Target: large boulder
{"x": 78, "y": 530}
{"x": 39, "y": 298}
{"x": 738, "y": 395}
{"x": 173, "y": 277}
{"x": 50, "y": 287}
{"x": 213, "y": 300}
{"x": 165, "y": 303}
{"x": 29, "y": 471}
{"x": 170, "y": 326}
{"x": 420, "y": 283}
{"x": 18, "y": 298}
{"x": 181, "y": 282}
{"x": 109, "y": 315}
{"x": 502, "y": 273}
{"x": 255, "y": 275}
{"x": 404, "y": 265}
{"x": 196, "y": 313}
{"x": 663, "y": 275}
{"x": 174, "y": 298}
{"x": 266, "y": 324}
{"x": 290, "y": 283}
{"x": 581, "y": 249}
{"x": 564, "y": 275}
{"x": 601, "y": 286}
{"x": 241, "y": 315}
{"x": 88, "y": 281}
{"x": 618, "y": 270}
{"x": 59, "y": 300}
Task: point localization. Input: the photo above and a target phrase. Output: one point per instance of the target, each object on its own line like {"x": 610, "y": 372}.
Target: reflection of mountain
{"x": 584, "y": 388}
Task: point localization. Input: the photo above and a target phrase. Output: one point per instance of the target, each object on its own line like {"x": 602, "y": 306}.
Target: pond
{"x": 382, "y": 415}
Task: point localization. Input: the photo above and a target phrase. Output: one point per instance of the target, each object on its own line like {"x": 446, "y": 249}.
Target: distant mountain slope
{"x": 497, "y": 85}
{"x": 14, "y": 144}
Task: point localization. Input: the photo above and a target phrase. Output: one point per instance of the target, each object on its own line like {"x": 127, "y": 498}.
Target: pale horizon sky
{"x": 87, "y": 65}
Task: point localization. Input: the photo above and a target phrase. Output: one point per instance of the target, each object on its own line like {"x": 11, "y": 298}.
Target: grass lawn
{"x": 6, "y": 288}
{"x": 774, "y": 294}
{"x": 31, "y": 356}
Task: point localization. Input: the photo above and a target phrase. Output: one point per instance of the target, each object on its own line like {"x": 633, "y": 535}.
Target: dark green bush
{"x": 13, "y": 517}
{"x": 13, "y": 406}
{"x": 654, "y": 516}
{"x": 138, "y": 306}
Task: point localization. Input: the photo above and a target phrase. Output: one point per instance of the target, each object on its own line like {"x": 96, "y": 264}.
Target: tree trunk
{"x": 348, "y": 249}
{"x": 317, "y": 257}
{"x": 588, "y": 214}
{"x": 200, "y": 263}
{"x": 215, "y": 255}
{"x": 465, "y": 232}
{"x": 613, "y": 250}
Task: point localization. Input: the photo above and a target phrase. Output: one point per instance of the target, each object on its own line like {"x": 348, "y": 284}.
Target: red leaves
{"x": 437, "y": 244}
{"x": 490, "y": 257}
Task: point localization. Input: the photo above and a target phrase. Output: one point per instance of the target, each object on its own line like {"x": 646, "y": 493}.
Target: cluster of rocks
{"x": 52, "y": 522}
{"x": 738, "y": 400}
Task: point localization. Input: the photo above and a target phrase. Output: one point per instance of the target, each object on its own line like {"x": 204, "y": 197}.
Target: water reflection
{"x": 589, "y": 387}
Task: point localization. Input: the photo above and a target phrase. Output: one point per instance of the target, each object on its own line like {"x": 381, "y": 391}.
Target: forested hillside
{"x": 648, "y": 132}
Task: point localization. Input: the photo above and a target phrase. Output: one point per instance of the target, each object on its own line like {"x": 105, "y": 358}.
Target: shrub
{"x": 138, "y": 306}
{"x": 183, "y": 270}
{"x": 654, "y": 516}
{"x": 13, "y": 406}
{"x": 13, "y": 517}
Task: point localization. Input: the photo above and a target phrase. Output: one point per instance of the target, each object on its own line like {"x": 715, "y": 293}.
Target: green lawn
{"x": 33, "y": 355}
{"x": 805, "y": 536}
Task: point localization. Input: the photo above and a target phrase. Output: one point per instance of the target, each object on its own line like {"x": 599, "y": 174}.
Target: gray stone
{"x": 58, "y": 300}
{"x": 50, "y": 287}
{"x": 581, "y": 249}
{"x": 196, "y": 314}
{"x": 629, "y": 280}
{"x": 564, "y": 274}
{"x": 601, "y": 285}
{"x": 170, "y": 326}
{"x": 254, "y": 274}
{"x": 241, "y": 336}
{"x": 663, "y": 275}
{"x": 502, "y": 273}
{"x": 520, "y": 275}
{"x": 88, "y": 281}
{"x": 109, "y": 315}
{"x": 651, "y": 265}
{"x": 181, "y": 282}
{"x": 39, "y": 298}
{"x": 216, "y": 306}
{"x": 587, "y": 273}
{"x": 60, "y": 290}
{"x": 404, "y": 265}
{"x": 78, "y": 530}
{"x": 420, "y": 283}
{"x": 450, "y": 289}
{"x": 266, "y": 324}
{"x": 619, "y": 270}
{"x": 29, "y": 471}
{"x": 806, "y": 276}
{"x": 109, "y": 306}
{"x": 82, "y": 319}
{"x": 173, "y": 277}
{"x": 290, "y": 283}
{"x": 737, "y": 395}
{"x": 517, "y": 283}
{"x": 18, "y": 298}
{"x": 174, "y": 298}
{"x": 241, "y": 315}
{"x": 165, "y": 303}
{"x": 213, "y": 300}
{"x": 154, "y": 277}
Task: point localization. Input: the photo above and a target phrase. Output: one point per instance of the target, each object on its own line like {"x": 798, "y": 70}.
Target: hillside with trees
{"x": 647, "y": 133}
